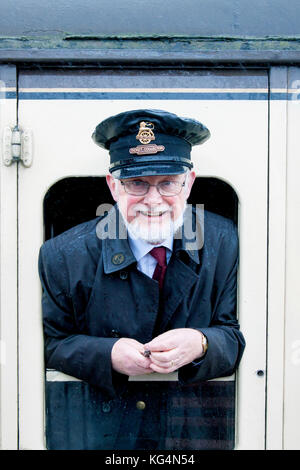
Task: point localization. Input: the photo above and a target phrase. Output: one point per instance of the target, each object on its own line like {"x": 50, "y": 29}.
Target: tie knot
{"x": 160, "y": 255}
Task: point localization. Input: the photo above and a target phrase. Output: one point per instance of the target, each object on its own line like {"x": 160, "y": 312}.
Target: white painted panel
{"x": 292, "y": 304}
{"x": 237, "y": 153}
{"x": 276, "y": 271}
{"x": 8, "y": 271}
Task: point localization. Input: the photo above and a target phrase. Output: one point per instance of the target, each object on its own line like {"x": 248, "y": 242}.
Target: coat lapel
{"x": 117, "y": 254}
{"x": 179, "y": 281}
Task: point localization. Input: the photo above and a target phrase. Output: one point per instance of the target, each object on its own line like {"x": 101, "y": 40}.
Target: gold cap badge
{"x": 147, "y": 149}
{"x": 145, "y": 134}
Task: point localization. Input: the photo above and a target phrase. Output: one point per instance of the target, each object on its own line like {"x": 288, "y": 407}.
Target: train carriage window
{"x": 75, "y": 414}
{"x": 74, "y": 200}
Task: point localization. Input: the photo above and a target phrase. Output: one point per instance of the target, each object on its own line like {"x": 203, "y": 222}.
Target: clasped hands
{"x": 169, "y": 351}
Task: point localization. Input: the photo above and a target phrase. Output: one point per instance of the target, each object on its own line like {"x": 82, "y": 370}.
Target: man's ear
{"x": 190, "y": 181}
{"x": 113, "y": 186}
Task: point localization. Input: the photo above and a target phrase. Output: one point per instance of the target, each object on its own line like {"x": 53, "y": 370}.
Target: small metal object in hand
{"x": 147, "y": 353}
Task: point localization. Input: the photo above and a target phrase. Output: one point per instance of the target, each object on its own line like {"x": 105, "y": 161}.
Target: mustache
{"x": 139, "y": 207}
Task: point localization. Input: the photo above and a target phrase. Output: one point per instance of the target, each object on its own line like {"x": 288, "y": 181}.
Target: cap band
{"x": 150, "y": 160}
{"x": 174, "y": 147}
{"x": 146, "y": 169}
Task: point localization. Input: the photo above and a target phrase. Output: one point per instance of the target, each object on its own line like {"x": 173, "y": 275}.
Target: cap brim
{"x": 149, "y": 170}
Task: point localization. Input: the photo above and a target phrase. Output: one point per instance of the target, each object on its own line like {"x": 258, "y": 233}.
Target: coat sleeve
{"x": 66, "y": 349}
{"x": 226, "y": 343}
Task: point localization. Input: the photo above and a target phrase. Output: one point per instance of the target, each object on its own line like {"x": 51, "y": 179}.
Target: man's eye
{"x": 166, "y": 184}
{"x": 137, "y": 184}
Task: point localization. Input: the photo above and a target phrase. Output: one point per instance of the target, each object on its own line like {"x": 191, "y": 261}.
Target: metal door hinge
{"x": 17, "y": 146}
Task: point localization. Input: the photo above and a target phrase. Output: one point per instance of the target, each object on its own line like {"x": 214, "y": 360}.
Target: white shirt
{"x": 146, "y": 263}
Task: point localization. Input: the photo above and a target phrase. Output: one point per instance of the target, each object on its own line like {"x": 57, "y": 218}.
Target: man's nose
{"x": 153, "y": 195}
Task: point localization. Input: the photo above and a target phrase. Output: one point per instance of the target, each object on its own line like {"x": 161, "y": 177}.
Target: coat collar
{"x": 117, "y": 254}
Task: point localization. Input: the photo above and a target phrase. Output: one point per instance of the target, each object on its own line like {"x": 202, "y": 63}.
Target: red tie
{"x": 159, "y": 273}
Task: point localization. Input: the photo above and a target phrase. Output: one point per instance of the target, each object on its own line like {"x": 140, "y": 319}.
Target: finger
{"x": 159, "y": 345}
{"x": 163, "y": 365}
{"x": 165, "y": 357}
{"x": 166, "y": 364}
{"x": 162, "y": 370}
{"x": 163, "y": 342}
{"x": 142, "y": 361}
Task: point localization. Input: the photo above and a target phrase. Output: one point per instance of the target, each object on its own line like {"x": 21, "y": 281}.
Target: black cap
{"x": 148, "y": 142}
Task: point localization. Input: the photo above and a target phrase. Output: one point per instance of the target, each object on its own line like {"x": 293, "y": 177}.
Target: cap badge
{"x": 146, "y": 149}
{"x": 145, "y": 134}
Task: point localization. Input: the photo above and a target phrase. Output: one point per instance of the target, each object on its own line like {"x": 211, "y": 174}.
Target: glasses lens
{"x": 169, "y": 188}
{"x": 137, "y": 188}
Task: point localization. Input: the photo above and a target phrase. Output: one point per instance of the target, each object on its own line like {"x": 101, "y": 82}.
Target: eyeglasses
{"x": 141, "y": 188}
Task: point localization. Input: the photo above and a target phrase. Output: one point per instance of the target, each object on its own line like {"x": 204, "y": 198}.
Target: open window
{"x": 75, "y": 412}
{"x": 74, "y": 200}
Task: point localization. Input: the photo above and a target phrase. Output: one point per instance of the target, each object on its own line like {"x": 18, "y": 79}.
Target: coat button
{"x": 141, "y": 405}
{"x": 123, "y": 275}
{"x": 115, "y": 334}
{"x": 106, "y": 407}
{"x": 118, "y": 258}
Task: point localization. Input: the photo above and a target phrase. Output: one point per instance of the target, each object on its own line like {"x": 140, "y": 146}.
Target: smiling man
{"x": 124, "y": 313}
{"x": 152, "y": 206}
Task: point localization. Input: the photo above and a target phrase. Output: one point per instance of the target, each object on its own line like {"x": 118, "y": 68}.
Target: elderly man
{"x": 120, "y": 311}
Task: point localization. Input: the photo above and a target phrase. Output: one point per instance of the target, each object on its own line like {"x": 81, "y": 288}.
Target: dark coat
{"x": 90, "y": 301}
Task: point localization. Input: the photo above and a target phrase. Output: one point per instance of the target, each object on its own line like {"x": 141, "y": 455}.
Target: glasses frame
{"x": 157, "y": 186}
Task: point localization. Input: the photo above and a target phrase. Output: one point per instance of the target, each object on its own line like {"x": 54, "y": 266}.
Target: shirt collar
{"x": 140, "y": 248}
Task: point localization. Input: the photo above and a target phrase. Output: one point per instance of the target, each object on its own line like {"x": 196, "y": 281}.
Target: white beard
{"x": 153, "y": 233}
